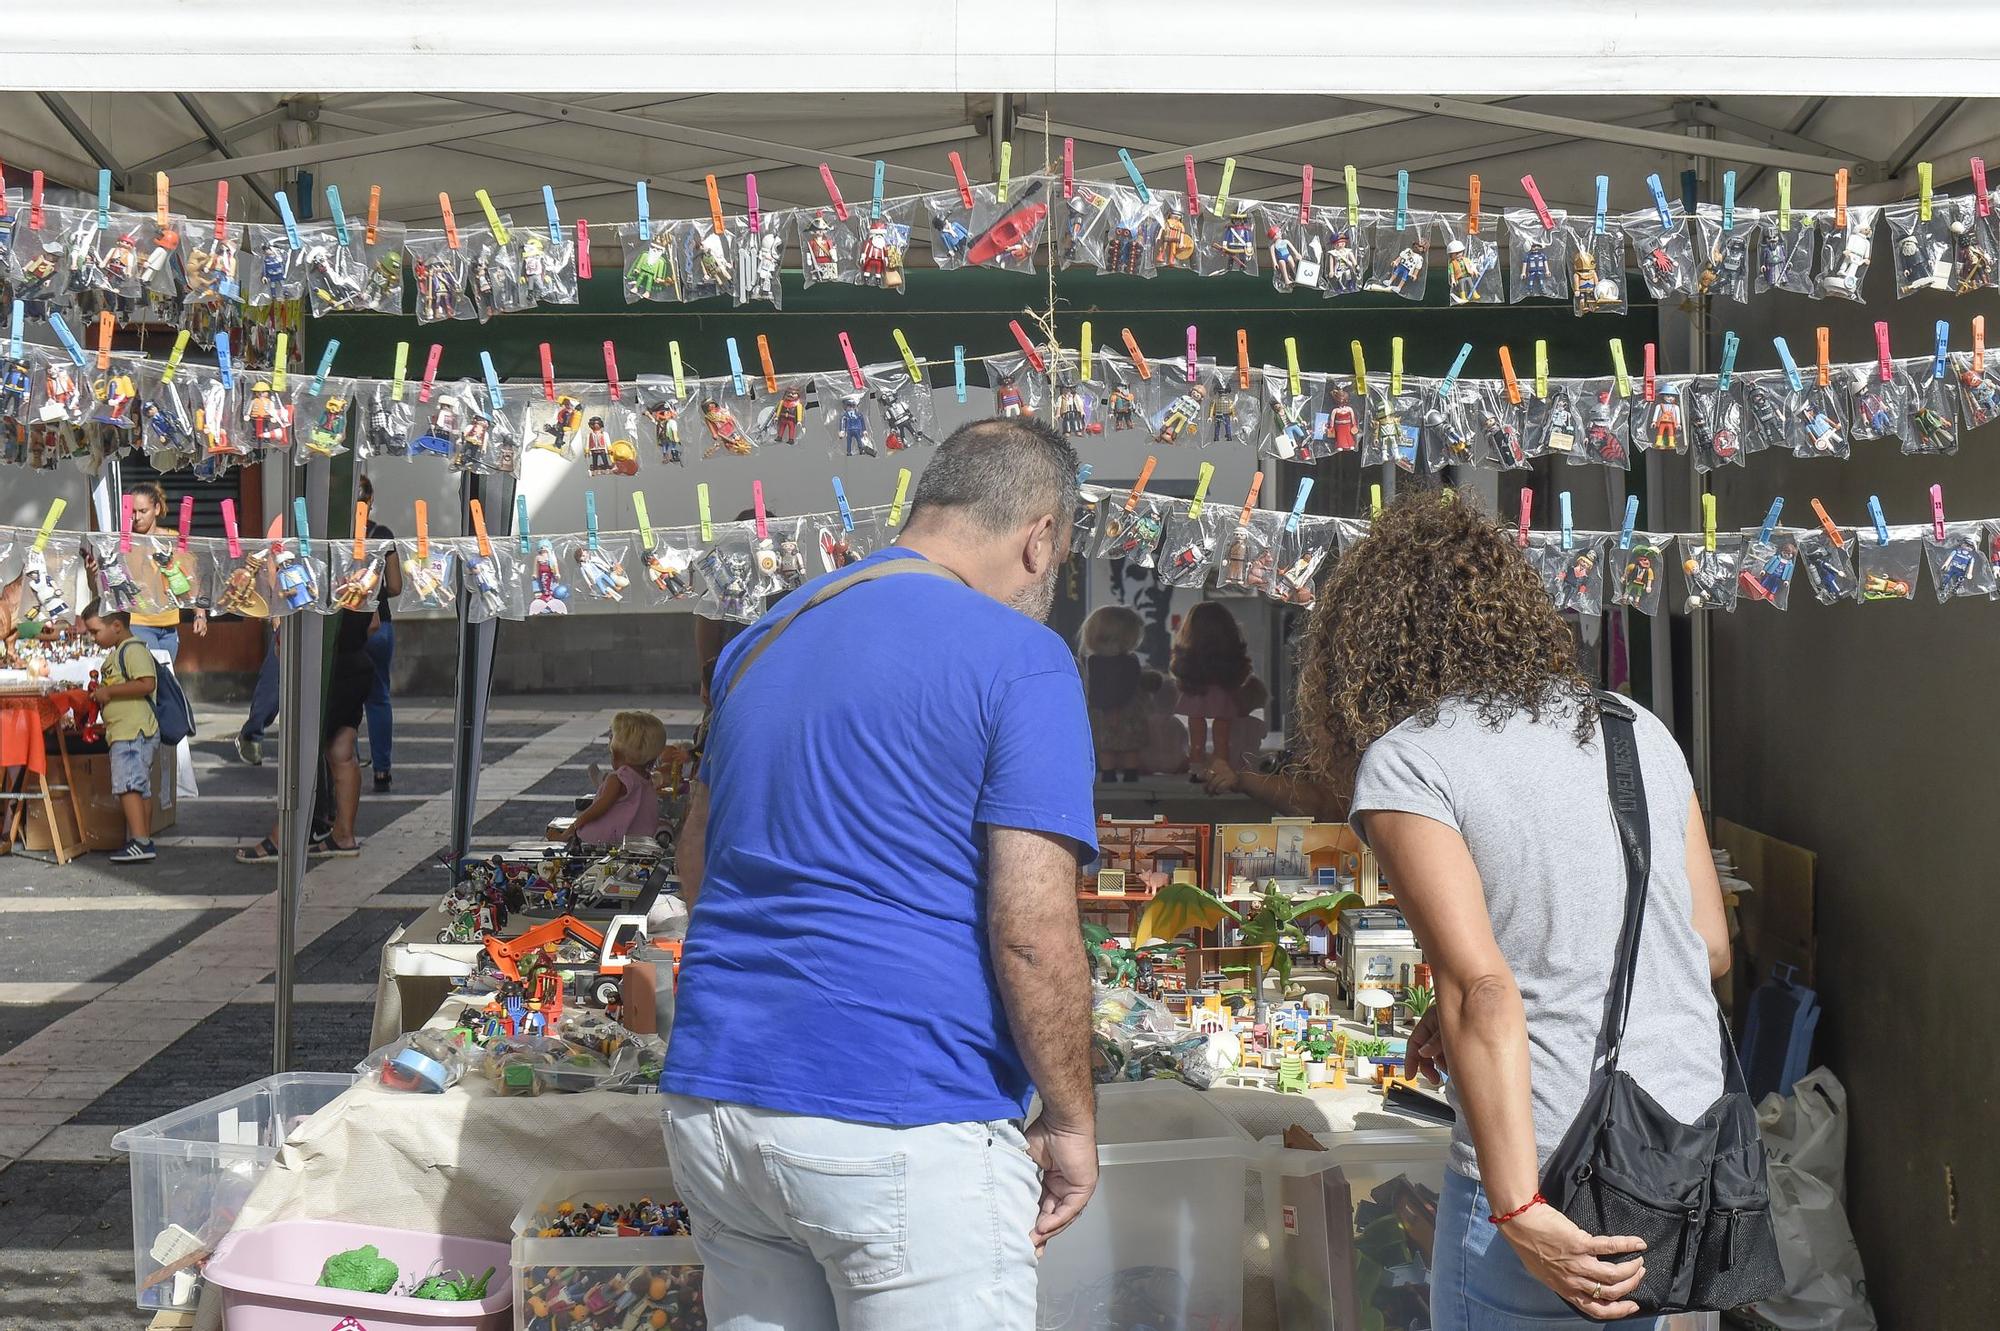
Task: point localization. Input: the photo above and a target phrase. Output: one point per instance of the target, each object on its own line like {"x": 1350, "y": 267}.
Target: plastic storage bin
{"x": 603, "y": 1284}
{"x": 193, "y": 1169}
{"x": 1161, "y": 1243}
{"x": 267, "y": 1275}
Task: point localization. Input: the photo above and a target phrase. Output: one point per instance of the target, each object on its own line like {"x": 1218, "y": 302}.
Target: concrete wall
{"x": 1867, "y": 733}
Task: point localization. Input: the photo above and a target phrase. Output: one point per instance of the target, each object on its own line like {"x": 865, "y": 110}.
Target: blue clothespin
{"x": 103, "y": 200}
{"x": 645, "y": 213}
{"x": 1603, "y": 204}
{"x": 492, "y": 381}
{"x": 339, "y": 213}
{"x": 555, "y": 218}
{"x": 1730, "y": 342}
{"x": 285, "y": 216}
{"x": 1791, "y": 366}
{"x": 14, "y": 329}
{"x": 1728, "y": 200}
{"x": 875, "y": 207}
{"x": 521, "y": 520}
{"x": 1942, "y": 351}
{"x": 1770, "y": 520}
{"x": 1138, "y": 180}
{"x": 1631, "y": 521}
{"x": 736, "y": 368}
{"x": 1449, "y": 384}
{"x": 299, "y": 521}
{"x": 1299, "y": 504}
{"x": 840, "y": 498}
{"x": 68, "y": 339}
{"x": 1569, "y": 535}
{"x": 1881, "y": 527}
{"x": 1660, "y": 199}
{"x": 1402, "y": 200}
{"x": 590, "y": 517}
{"x": 325, "y": 364}
{"x": 958, "y": 371}
{"x": 222, "y": 359}
{"x": 1083, "y": 473}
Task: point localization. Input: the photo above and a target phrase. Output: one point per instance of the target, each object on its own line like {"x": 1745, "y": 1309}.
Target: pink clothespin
{"x": 548, "y": 374}
{"x": 750, "y": 199}
{"x": 187, "y": 521}
{"x": 757, "y": 503}
{"x": 229, "y": 531}
{"x": 1937, "y": 513}
{"x": 1527, "y": 508}
{"x": 611, "y": 370}
{"x": 125, "y": 524}
{"x": 1193, "y": 359}
{"x": 1305, "y": 193}
{"x": 1534, "y": 193}
{"x": 1882, "y": 351}
{"x": 833, "y": 192}
{"x": 853, "y": 365}
{"x": 582, "y": 248}
{"x": 1027, "y": 346}
{"x": 430, "y": 372}
{"x": 1069, "y": 167}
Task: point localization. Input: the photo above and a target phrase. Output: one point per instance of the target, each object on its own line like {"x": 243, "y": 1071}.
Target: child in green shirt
{"x": 131, "y": 727}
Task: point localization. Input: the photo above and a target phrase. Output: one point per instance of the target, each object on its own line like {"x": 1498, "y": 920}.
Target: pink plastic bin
{"x": 266, "y": 1277}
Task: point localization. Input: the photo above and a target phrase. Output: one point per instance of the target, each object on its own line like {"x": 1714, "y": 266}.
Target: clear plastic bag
{"x": 356, "y": 584}
{"x": 651, "y": 267}
{"x": 1550, "y": 423}
{"x": 385, "y": 422}
{"x": 781, "y": 555}
{"x": 217, "y": 415}
{"x": 1924, "y": 248}
{"x": 1132, "y": 528}
{"x": 1449, "y": 437}
{"x": 1228, "y": 244}
{"x": 847, "y": 418}
{"x": 1231, "y": 414}
{"x": 1659, "y": 422}
{"x": 1829, "y": 565}
{"x": 277, "y": 269}
{"x": 359, "y": 277}
{"x": 442, "y": 276}
{"x": 1933, "y": 416}
{"x": 1978, "y": 387}
{"x": 166, "y": 418}
{"x": 60, "y": 394}
{"x": 428, "y": 575}
{"x": 214, "y": 277}
{"x": 760, "y": 258}
{"x": 706, "y": 258}
{"x": 1959, "y": 566}
{"x": 1768, "y": 565}
{"x": 169, "y": 577}
{"x": 50, "y": 576}
{"x": 721, "y": 426}
{"x": 1768, "y": 418}
{"x": 794, "y": 410}
{"x": 1175, "y": 243}
{"x": 1284, "y": 238}
{"x": 1607, "y": 424}
{"x": 661, "y": 408}
{"x": 1085, "y": 226}
{"x": 437, "y": 423}
{"x": 1190, "y": 546}
{"x": 320, "y": 422}
{"x": 114, "y": 394}
{"x": 111, "y": 570}
{"x": 490, "y": 444}
{"x": 1290, "y": 436}
{"x": 1008, "y": 235}
{"x": 730, "y": 582}
{"x": 1471, "y": 262}
{"x": 845, "y": 542}
{"x": 1083, "y": 524}
{"x": 906, "y": 408}
{"x": 271, "y": 580}
{"x": 669, "y": 567}
{"x": 267, "y": 416}
{"x": 1132, "y": 399}
{"x": 1540, "y": 257}
{"x": 1017, "y": 385}
{"x": 599, "y": 571}
{"x": 114, "y": 261}
{"x": 38, "y": 258}
{"x": 1821, "y": 413}
{"x": 1249, "y": 553}
{"x": 493, "y": 275}
{"x": 498, "y": 580}
{"x": 548, "y": 266}
{"x": 1502, "y": 424}
{"x": 1597, "y": 266}
{"x": 548, "y": 580}
{"x": 1076, "y": 404}
{"x": 1395, "y": 425}
{"x": 1402, "y": 258}
{"x": 1304, "y": 547}
{"x": 1185, "y": 416}
{"x": 1878, "y": 408}
{"x": 876, "y": 247}
{"x": 1637, "y": 571}
{"x": 1889, "y": 569}
{"x": 1724, "y": 269}
{"x": 1846, "y": 252}
{"x": 1338, "y": 251}
{"x": 555, "y": 425}
{"x": 1573, "y": 577}
{"x": 951, "y": 229}
{"x": 1665, "y": 250}
{"x": 1785, "y": 261}
{"x": 1975, "y": 241}
{"x": 1711, "y": 575}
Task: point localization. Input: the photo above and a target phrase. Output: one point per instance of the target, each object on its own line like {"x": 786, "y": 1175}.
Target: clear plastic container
{"x": 268, "y": 1276}
{"x": 597, "y": 1283}
{"x": 1130, "y": 1112}
{"x": 193, "y": 1169}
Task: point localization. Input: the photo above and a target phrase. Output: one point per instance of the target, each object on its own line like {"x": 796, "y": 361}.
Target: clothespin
{"x": 1882, "y": 352}
{"x": 300, "y": 513}
{"x": 1534, "y": 193}
{"x": 1568, "y": 532}
{"x": 173, "y": 360}
{"x": 583, "y": 249}
{"x": 430, "y": 373}
{"x": 917, "y": 372}
{"x": 764, "y": 358}
{"x": 1193, "y": 369}
{"x": 1784, "y": 201}
{"x": 1292, "y": 365}
{"x": 840, "y": 499}
{"x": 1133, "y": 173}
{"x": 1139, "y": 362}
{"x": 674, "y": 362}
{"x": 1730, "y": 342}
{"x": 1527, "y": 508}
{"x": 1472, "y": 204}
{"x": 875, "y": 202}
{"x": 1825, "y": 364}
{"x": 3, "y": 189}
{"x": 104, "y": 203}
{"x": 423, "y": 530}
{"x": 318, "y": 384}
{"x": 1507, "y": 376}
{"x": 1881, "y": 527}
{"x": 1299, "y": 503}
{"x": 1069, "y": 168}
{"x": 493, "y": 224}
{"x": 645, "y": 204}
{"x": 521, "y": 521}
{"x": 1840, "y": 198}
{"x": 374, "y": 214}
{"x": 1937, "y": 513}
{"x": 1193, "y": 190}
{"x": 715, "y": 202}
{"x": 965, "y": 186}
{"x": 1228, "y": 175}
{"x": 479, "y": 532}
{"x": 1792, "y": 378}
{"x": 701, "y": 506}
{"x": 860, "y": 380}
{"x": 1305, "y": 193}
{"x": 360, "y": 550}
{"x": 35, "y": 200}
{"x": 16, "y": 320}
{"x": 1826, "y": 525}
{"x": 1660, "y": 200}
{"x": 187, "y": 521}
{"x": 1729, "y": 201}
{"x": 444, "y": 211}
{"x": 1139, "y": 486}
{"x": 1083, "y": 352}
{"x": 1603, "y": 204}
{"x": 223, "y": 364}
{"x": 67, "y": 338}
{"x": 1625, "y": 529}
{"x": 1250, "y": 499}
{"x": 1979, "y": 342}
{"x": 958, "y": 371}
{"x": 1621, "y": 380}
{"x": 1982, "y": 202}
{"x": 162, "y": 202}
{"x": 231, "y": 535}
{"x": 1402, "y": 200}
{"x": 1708, "y": 523}
{"x": 553, "y": 214}
{"x": 1360, "y": 368}
{"x": 125, "y": 524}
{"x": 1243, "y": 359}
{"x": 1020, "y": 336}
{"x": 645, "y": 519}
{"x": 1449, "y": 384}
{"x": 902, "y": 492}
{"x": 1374, "y": 501}
{"x": 493, "y": 394}
{"x": 1006, "y": 171}
{"x": 1202, "y": 479}
{"x": 1770, "y": 520}
{"x": 280, "y": 360}
{"x": 1395, "y": 365}
{"x": 1650, "y": 382}
{"x": 548, "y": 374}
{"x": 1352, "y": 180}
{"x": 106, "y": 321}
{"x": 735, "y": 368}
{"x": 1941, "y": 349}
{"x": 590, "y": 519}
{"x": 333, "y": 207}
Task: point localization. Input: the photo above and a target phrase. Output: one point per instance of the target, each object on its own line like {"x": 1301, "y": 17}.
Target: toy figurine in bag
{"x": 1468, "y": 263}
{"x": 1711, "y": 574}
{"x": 1925, "y": 247}
{"x": 1767, "y": 570}
{"x": 1122, "y": 407}
{"x": 269, "y": 416}
{"x": 1787, "y": 255}
{"x": 1725, "y": 264}
{"x": 1978, "y": 390}
{"x": 1071, "y": 418}
{"x": 1536, "y": 261}
{"x": 1601, "y": 434}
{"x": 725, "y": 435}
{"x": 1663, "y": 419}
{"x": 1222, "y": 407}
{"x": 603, "y": 576}
{"x": 1597, "y": 268}
{"x": 1829, "y": 565}
{"x": 328, "y": 432}
{"x": 1958, "y": 565}
{"x": 1822, "y": 434}
{"x": 1638, "y": 576}
{"x": 1406, "y": 269}
{"x": 1175, "y": 246}
{"x": 1972, "y": 248}
{"x": 1848, "y": 250}
{"x": 1343, "y": 423}
{"x": 1007, "y": 396}
{"x": 1180, "y": 414}
{"x": 1503, "y": 438}
{"x": 597, "y": 446}
{"x": 901, "y": 426}
{"x": 665, "y": 414}
{"x": 816, "y": 252}
{"x": 669, "y": 572}
{"x": 1346, "y": 263}
{"x": 789, "y": 415}
{"x": 1130, "y": 531}
{"x": 440, "y": 285}
{"x": 1284, "y": 259}
{"x": 853, "y": 424}
{"x": 560, "y": 430}
{"x": 654, "y": 272}
{"x": 1236, "y": 247}
{"x": 551, "y": 593}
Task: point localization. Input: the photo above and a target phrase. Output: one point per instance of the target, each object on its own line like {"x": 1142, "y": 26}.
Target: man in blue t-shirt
{"x": 883, "y": 962}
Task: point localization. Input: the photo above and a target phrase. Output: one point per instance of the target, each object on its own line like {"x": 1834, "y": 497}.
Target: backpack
{"x": 170, "y": 705}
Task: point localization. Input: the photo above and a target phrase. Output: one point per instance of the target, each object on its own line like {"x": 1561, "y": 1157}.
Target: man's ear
{"x": 1038, "y": 551}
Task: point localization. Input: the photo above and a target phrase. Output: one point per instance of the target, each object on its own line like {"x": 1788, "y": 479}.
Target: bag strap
{"x": 1635, "y": 839}
{"x": 826, "y": 592}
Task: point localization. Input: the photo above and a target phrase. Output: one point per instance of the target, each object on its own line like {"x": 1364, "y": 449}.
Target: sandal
{"x": 260, "y": 853}
{"x": 328, "y": 850}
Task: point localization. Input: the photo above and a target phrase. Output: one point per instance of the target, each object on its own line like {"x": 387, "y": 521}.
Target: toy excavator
{"x": 532, "y": 958}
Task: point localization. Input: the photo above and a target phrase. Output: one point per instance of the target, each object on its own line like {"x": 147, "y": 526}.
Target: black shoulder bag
{"x": 1695, "y": 1192}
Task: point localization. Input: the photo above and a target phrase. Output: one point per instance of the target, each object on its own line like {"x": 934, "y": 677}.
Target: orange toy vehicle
{"x": 531, "y": 959}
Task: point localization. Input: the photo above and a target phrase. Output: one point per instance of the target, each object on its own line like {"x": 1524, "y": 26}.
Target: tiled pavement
{"x": 128, "y": 993}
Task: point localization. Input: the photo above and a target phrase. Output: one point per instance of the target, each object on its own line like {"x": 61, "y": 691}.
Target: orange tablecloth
{"x": 24, "y": 719}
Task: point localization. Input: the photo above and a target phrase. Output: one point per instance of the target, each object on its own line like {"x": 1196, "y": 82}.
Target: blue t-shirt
{"x": 836, "y": 962}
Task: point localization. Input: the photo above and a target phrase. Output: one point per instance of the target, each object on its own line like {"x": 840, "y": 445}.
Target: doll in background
{"x": 627, "y": 805}
{"x": 1119, "y": 727}
{"x": 1218, "y": 692}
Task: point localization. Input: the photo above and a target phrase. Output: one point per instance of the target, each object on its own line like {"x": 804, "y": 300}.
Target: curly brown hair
{"x": 1435, "y": 603}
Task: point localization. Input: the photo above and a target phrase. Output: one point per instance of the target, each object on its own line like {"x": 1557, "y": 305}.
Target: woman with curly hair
{"x": 1439, "y": 686}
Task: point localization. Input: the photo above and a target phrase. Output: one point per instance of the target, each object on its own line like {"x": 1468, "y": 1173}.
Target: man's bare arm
{"x": 690, "y": 846}
{"x": 1039, "y": 961}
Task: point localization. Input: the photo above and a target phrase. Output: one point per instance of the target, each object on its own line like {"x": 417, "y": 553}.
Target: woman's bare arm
{"x": 1705, "y": 893}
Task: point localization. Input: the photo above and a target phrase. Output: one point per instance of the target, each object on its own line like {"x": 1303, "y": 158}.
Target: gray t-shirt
{"x": 1535, "y": 811}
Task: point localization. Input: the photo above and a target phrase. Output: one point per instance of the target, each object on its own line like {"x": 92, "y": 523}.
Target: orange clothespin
{"x": 1507, "y": 374}
{"x": 1243, "y": 359}
{"x": 479, "y": 530}
{"x": 1840, "y": 198}
{"x": 1472, "y": 206}
{"x": 423, "y": 530}
{"x": 1139, "y": 486}
{"x": 1139, "y": 362}
{"x": 1826, "y": 525}
{"x": 360, "y": 530}
{"x": 1250, "y": 500}
{"x": 715, "y": 205}
{"x": 105, "y": 321}
{"x": 770, "y": 371}
{"x": 374, "y": 212}
{"x": 450, "y": 222}
{"x": 1825, "y": 363}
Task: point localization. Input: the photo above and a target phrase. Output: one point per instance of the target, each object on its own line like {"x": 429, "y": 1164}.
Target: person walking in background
{"x": 159, "y": 629}
{"x": 131, "y": 726}
{"x": 263, "y": 702}
{"x": 381, "y": 649}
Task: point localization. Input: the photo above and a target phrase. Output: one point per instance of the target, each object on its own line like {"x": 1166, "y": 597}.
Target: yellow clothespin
{"x": 1708, "y": 522}
{"x": 1201, "y": 488}
{"x": 402, "y": 372}
{"x": 1374, "y": 501}
{"x": 909, "y": 357}
{"x": 1619, "y": 377}
{"x": 645, "y": 520}
{"x": 1541, "y": 369}
{"x": 174, "y": 361}
{"x": 1360, "y": 370}
{"x": 1292, "y": 365}
{"x": 902, "y": 492}
{"x": 1083, "y": 351}
{"x": 674, "y": 357}
{"x": 278, "y": 358}
{"x": 701, "y": 501}
{"x": 56, "y": 507}
{"x": 1395, "y": 365}
{"x": 492, "y": 217}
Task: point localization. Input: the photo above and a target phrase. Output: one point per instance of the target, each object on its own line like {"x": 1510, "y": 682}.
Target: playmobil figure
{"x": 899, "y": 421}
{"x": 167, "y": 560}
{"x": 1181, "y": 413}
{"x": 1504, "y": 439}
{"x": 1833, "y": 582}
{"x": 818, "y": 249}
{"x": 1124, "y": 252}
{"x": 1604, "y": 442}
{"x": 427, "y": 577}
{"x": 1768, "y": 582}
{"x": 1130, "y": 531}
{"x": 854, "y": 427}
{"x": 330, "y": 427}
{"x": 1957, "y": 567}
{"x": 1069, "y": 407}
{"x": 789, "y": 565}
{"x": 1974, "y": 264}
{"x": 839, "y": 549}
{"x": 1238, "y": 245}
{"x": 239, "y": 591}
{"x": 1222, "y": 413}
{"x": 950, "y": 237}
{"x": 1822, "y": 435}
{"x": 1573, "y": 582}
{"x": 668, "y": 573}
{"x": 212, "y": 421}
{"x": 115, "y": 588}
{"x": 1124, "y": 408}
{"x": 1007, "y": 397}
{"x": 1667, "y": 419}
{"x": 1850, "y": 259}
{"x": 655, "y": 267}
{"x": 1935, "y": 431}
{"x": 1284, "y": 258}
{"x": 113, "y": 393}
{"x": 564, "y": 418}
{"x": 1871, "y": 404}
{"x": 723, "y": 431}
{"x": 438, "y": 283}
{"x": 357, "y": 587}
{"x": 1708, "y": 580}
{"x": 59, "y": 392}
{"x": 1984, "y": 394}
{"x": 790, "y": 414}
{"x": 1882, "y": 587}
{"x": 874, "y": 257}
{"x": 551, "y": 593}
{"x": 1583, "y": 279}
{"x": 1341, "y": 421}
{"x": 293, "y": 577}
{"x": 770, "y": 251}
{"x": 1726, "y": 261}
{"x": 1464, "y": 273}
{"x": 1408, "y": 268}
{"x": 1535, "y": 268}
{"x": 1443, "y": 426}
{"x": 270, "y": 416}
{"x": 714, "y": 259}
{"x": 1343, "y": 262}
{"x": 486, "y": 581}
{"x": 1293, "y": 415}
{"x": 597, "y": 446}
{"x": 1175, "y": 246}
{"x": 665, "y": 414}
{"x": 14, "y": 385}
{"x": 603, "y": 575}
{"x": 1642, "y": 573}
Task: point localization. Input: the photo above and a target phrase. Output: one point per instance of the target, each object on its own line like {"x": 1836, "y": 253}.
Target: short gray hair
{"x": 1000, "y": 474}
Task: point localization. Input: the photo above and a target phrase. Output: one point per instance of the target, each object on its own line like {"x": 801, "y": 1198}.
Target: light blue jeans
{"x": 814, "y": 1224}
{"x": 163, "y": 639}
{"x": 1477, "y": 1280}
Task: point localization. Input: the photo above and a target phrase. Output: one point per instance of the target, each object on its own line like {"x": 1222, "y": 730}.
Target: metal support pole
{"x": 1699, "y": 643}
{"x": 1002, "y": 130}
{"x": 299, "y": 751}
{"x": 476, "y": 643}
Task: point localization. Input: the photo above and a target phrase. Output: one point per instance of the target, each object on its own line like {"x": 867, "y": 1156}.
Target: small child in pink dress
{"x": 627, "y": 805}
{"x": 1211, "y": 664}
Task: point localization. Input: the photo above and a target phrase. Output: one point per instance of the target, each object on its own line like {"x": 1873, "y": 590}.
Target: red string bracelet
{"x": 1523, "y": 1208}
